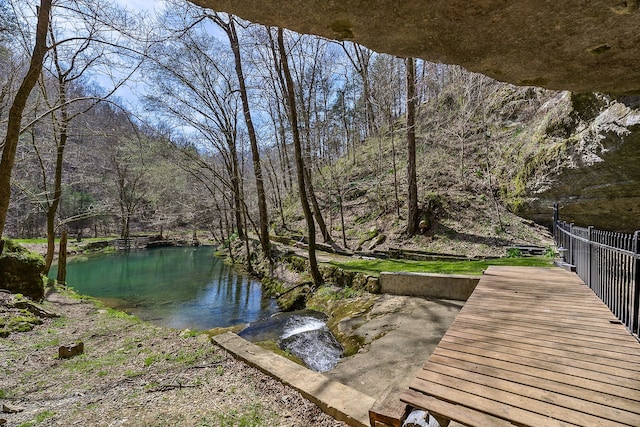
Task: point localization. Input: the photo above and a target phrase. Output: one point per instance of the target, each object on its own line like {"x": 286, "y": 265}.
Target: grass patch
{"x": 252, "y": 415}
{"x": 117, "y": 314}
{"x": 40, "y": 417}
{"x": 38, "y": 240}
{"x": 475, "y": 267}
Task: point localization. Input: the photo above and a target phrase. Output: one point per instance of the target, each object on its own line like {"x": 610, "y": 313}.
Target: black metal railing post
{"x": 556, "y": 218}
{"x": 608, "y": 262}
{"x": 635, "y": 321}
{"x": 572, "y": 245}
{"x": 590, "y": 262}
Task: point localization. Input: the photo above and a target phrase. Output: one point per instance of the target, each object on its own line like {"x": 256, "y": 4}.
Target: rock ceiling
{"x": 577, "y": 45}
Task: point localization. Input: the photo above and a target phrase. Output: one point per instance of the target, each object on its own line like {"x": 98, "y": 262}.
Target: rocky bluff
{"x": 588, "y": 161}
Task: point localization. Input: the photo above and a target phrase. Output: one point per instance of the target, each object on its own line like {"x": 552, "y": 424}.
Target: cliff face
{"x": 593, "y": 143}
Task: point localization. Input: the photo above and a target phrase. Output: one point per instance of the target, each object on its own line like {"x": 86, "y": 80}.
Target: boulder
{"x": 20, "y": 272}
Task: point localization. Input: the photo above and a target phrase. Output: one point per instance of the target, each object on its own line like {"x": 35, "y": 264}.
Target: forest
{"x": 196, "y": 122}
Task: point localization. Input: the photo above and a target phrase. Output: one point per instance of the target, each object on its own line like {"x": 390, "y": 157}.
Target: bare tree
{"x": 77, "y": 49}
{"x": 413, "y": 216}
{"x": 300, "y": 167}
{"x": 229, "y": 28}
{"x": 360, "y": 58}
{"x": 195, "y": 89}
{"x": 17, "y": 108}
{"x": 129, "y": 185}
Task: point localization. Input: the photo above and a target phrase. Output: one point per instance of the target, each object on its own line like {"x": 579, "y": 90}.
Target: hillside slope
{"x": 492, "y": 160}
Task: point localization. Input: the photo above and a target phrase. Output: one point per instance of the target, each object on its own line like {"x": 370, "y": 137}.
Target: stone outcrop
{"x": 20, "y": 271}
{"x": 572, "y": 45}
{"x": 592, "y": 166}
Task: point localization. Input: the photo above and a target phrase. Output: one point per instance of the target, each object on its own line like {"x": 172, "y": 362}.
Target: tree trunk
{"x": 293, "y": 116}
{"x": 340, "y": 205}
{"x": 14, "y": 121}
{"x": 413, "y": 215}
{"x": 62, "y": 259}
{"x": 57, "y": 182}
{"x": 395, "y": 167}
{"x": 255, "y": 152}
{"x": 317, "y": 213}
{"x": 235, "y": 184}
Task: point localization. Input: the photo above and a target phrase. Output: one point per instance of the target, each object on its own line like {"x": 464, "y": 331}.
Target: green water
{"x": 173, "y": 287}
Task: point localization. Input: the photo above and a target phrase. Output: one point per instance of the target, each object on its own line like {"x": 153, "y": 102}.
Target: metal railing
{"x": 608, "y": 262}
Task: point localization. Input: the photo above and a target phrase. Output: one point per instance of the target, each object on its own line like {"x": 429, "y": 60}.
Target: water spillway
{"x": 303, "y": 333}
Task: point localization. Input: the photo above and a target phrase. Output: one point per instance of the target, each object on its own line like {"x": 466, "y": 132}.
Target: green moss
{"x": 514, "y": 195}
{"x": 297, "y": 263}
{"x": 272, "y": 287}
{"x": 24, "y": 322}
{"x": 369, "y": 235}
{"x": 295, "y": 298}
{"x": 275, "y": 348}
{"x": 341, "y": 304}
{"x": 20, "y": 270}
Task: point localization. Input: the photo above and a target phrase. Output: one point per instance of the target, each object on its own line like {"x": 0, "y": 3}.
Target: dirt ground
{"x": 134, "y": 374}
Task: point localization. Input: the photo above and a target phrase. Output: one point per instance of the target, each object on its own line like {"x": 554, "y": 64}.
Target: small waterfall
{"x": 303, "y": 333}
{"x": 309, "y": 339}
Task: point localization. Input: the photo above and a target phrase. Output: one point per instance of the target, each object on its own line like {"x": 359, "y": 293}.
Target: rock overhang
{"x": 576, "y": 45}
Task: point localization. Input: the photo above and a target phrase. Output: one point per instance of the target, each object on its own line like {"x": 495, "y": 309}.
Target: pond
{"x": 173, "y": 287}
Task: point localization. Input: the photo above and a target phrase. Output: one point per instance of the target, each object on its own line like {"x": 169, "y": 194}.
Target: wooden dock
{"x": 532, "y": 347}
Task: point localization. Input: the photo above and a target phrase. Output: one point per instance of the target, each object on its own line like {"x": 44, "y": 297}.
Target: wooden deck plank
{"x": 586, "y": 394}
{"x": 556, "y": 333}
{"x": 586, "y": 324}
{"x": 525, "y": 306}
{"x": 561, "y": 341}
{"x": 589, "y": 357}
{"x": 619, "y": 336}
{"x": 591, "y": 384}
{"x": 513, "y": 414}
{"x": 567, "y": 366}
{"x": 549, "y": 402}
{"x": 533, "y": 346}
{"x": 440, "y": 407}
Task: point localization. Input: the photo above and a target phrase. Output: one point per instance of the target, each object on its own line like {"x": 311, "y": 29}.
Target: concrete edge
{"x": 430, "y": 285}
{"x": 341, "y": 402}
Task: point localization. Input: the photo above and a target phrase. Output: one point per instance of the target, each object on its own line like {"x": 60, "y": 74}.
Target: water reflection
{"x": 174, "y": 287}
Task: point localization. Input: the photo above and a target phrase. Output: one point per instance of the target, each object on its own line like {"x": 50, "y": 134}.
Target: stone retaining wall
{"x": 430, "y": 285}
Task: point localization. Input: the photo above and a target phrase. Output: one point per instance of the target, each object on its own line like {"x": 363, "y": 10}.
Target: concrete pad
{"x": 338, "y": 400}
{"x": 403, "y": 332}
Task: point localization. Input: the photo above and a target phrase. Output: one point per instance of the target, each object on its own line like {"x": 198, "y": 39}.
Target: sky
{"x": 131, "y": 90}
{"x": 142, "y": 5}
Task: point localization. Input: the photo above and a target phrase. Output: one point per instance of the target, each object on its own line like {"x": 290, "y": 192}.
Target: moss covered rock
{"x": 294, "y": 298}
{"x": 20, "y": 271}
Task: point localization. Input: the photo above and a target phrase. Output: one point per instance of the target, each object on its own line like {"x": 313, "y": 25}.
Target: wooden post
{"x": 62, "y": 259}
